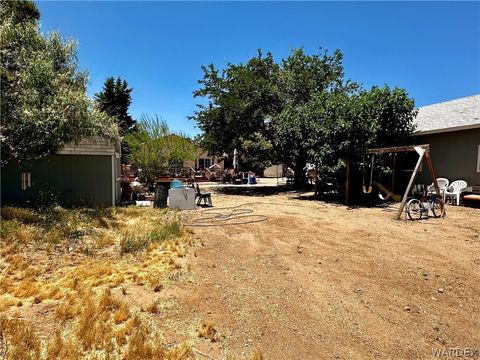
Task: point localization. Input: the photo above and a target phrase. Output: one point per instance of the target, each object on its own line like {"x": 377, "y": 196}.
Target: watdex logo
{"x": 456, "y": 353}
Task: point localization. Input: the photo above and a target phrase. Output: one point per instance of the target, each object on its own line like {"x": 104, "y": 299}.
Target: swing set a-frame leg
{"x": 420, "y": 152}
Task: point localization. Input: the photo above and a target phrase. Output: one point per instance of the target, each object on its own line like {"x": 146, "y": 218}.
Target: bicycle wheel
{"x": 438, "y": 208}
{"x": 414, "y": 209}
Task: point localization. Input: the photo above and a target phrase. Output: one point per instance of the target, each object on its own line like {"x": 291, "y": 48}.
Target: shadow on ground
{"x": 255, "y": 191}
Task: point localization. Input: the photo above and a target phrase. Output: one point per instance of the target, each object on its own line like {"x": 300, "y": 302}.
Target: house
{"x": 453, "y": 130}
{"x": 82, "y": 173}
{"x": 204, "y": 161}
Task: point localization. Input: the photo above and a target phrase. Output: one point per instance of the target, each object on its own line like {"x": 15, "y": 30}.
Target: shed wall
{"x": 75, "y": 179}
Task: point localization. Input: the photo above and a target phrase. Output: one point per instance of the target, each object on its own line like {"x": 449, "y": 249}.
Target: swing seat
{"x": 380, "y": 195}
{"x": 365, "y": 191}
{"x": 390, "y": 194}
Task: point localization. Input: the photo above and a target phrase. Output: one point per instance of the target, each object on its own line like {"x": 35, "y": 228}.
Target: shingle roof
{"x": 458, "y": 114}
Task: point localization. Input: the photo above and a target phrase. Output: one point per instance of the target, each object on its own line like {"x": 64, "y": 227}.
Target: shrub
{"x": 207, "y": 330}
{"x": 170, "y": 230}
{"x": 133, "y": 243}
{"x": 23, "y": 215}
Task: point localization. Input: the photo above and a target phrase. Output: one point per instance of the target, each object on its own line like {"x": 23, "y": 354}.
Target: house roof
{"x": 453, "y": 115}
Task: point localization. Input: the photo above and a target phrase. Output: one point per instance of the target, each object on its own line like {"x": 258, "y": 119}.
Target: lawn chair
{"x": 442, "y": 186}
{"x": 206, "y": 197}
{"x": 455, "y": 189}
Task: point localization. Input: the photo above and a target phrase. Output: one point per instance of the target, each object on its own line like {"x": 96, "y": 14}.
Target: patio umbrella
{"x": 235, "y": 159}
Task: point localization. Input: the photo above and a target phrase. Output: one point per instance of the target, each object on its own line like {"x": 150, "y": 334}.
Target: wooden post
{"x": 421, "y": 151}
{"x": 434, "y": 179}
{"x": 347, "y": 180}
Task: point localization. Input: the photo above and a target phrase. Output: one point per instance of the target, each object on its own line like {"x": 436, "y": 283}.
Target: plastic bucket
{"x": 176, "y": 184}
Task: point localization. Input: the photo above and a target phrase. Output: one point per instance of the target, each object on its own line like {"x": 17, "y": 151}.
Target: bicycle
{"x": 416, "y": 207}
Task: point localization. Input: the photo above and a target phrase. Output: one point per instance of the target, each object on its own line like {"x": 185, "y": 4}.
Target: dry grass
{"x": 70, "y": 279}
{"x": 71, "y": 261}
{"x": 207, "y": 330}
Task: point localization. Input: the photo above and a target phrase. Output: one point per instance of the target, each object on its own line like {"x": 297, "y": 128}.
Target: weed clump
{"x": 207, "y": 330}
{"x": 138, "y": 241}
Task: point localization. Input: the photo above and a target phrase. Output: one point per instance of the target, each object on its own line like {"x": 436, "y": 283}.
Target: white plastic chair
{"x": 442, "y": 185}
{"x": 455, "y": 190}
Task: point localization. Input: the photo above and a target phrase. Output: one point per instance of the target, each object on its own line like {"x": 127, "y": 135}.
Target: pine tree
{"x": 115, "y": 99}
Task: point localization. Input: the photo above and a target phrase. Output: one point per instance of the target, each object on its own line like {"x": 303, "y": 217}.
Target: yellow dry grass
{"x": 70, "y": 266}
{"x": 207, "y": 330}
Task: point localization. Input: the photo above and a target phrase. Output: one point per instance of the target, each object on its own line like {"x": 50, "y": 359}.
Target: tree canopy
{"x": 297, "y": 111}
{"x": 115, "y": 99}
{"x": 43, "y": 102}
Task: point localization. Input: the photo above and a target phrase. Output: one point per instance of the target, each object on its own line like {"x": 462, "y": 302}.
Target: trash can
{"x": 252, "y": 180}
{"x": 161, "y": 194}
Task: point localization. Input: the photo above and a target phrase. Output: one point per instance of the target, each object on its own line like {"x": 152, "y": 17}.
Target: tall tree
{"x": 301, "y": 110}
{"x": 20, "y": 11}
{"x": 303, "y": 77}
{"x": 43, "y": 102}
{"x": 115, "y": 99}
{"x": 240, "y": 101}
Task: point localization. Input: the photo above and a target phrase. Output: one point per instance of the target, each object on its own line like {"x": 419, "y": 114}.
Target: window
{"x": 176, "y": 166}
{"x": 26, "y": 180}
{"x": 204, "y": 163}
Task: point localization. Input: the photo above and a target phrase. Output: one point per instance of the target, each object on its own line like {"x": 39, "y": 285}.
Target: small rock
{"x": 406, "y": 308}
{"x": 424, "y": 273}
{"x": 440, "y": 290}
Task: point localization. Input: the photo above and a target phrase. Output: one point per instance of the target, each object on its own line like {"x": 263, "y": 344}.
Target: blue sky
{"x": 432, "y": 49}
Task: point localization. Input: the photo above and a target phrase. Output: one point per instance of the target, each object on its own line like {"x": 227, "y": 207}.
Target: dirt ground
{"x": 298, "y": 279}
{"x": 318, "y": 280}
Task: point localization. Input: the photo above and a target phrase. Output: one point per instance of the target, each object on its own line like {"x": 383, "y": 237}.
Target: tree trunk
{"x": 299, "y": 179}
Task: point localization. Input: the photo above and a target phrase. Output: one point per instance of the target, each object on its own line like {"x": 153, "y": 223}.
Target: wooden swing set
{"x": 424, "y": 153}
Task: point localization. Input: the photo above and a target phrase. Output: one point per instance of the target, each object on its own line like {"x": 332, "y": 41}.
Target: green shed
{"x": 83, "y": 173}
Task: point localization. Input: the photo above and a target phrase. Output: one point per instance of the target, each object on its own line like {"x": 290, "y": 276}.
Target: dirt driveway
{"x": 321, "y": 281}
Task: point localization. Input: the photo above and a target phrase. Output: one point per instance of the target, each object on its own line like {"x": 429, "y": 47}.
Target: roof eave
{"x": 445, "y": 130}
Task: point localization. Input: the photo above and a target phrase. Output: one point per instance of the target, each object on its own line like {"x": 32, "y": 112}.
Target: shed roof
{"x": 453, "y": 115}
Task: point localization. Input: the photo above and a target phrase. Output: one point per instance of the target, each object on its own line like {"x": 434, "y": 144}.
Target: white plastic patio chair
{"x": 442, "y": 185}
{"x": 455, "y": 190}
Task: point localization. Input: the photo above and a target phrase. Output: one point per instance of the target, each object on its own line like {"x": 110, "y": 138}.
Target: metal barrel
{"x": 161, "y": 194}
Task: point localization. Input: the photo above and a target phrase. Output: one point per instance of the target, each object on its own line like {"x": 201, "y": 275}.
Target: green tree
{"x": 301, "y": 110}
{"x": 43, "y": 102}
{"x": 20, "y": 11}
{"x": 257, "y": 153}
{"x": 154, "y": 148}
{"x": 115, "y": 100}
{"x": 240, "y": 100}
{"x": 304, "y": 77}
